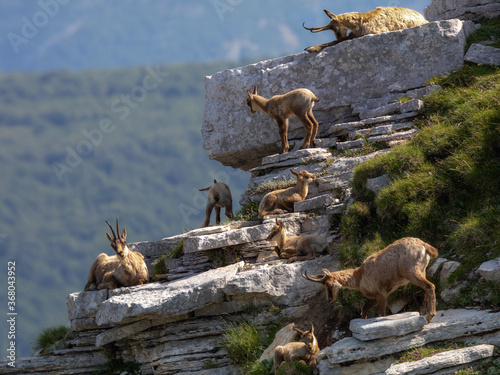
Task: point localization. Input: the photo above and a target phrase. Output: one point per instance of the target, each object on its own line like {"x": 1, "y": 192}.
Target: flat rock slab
{"x": 490, "y": 270}
{"x": 481, "y": 54}
{"x": 229, "y": 238}
{"x": 387, "y": 326}
{"x": 446, "y": 325}
{"x": 446, "y": 360}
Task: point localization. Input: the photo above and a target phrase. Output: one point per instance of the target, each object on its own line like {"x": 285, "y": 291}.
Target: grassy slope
{"x": 446, "y": 185}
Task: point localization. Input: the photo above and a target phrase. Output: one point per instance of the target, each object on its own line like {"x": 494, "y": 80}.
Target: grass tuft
{"x": 51, "y": 339}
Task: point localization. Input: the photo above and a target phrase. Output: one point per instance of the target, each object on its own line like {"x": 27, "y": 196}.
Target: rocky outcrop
{"x": 480, "y": 54}
{"x": 351, "y": 79}
{"x": 473, "y": 10}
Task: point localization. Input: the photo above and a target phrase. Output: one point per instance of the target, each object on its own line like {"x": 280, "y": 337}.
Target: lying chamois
{"x": 219, "y": 196}
{"x": 382, "y": 273}
{"x": 303, "y": 247}
{"x": 281, "y": 201}
{"x": 126, "y": 268}
{"x": 281, "y": 107}
{"x": 380, "y": 20}
{"x": 304, "y": 351}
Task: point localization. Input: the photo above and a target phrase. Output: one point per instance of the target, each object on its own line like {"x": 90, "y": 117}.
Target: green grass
{"x": 445, "y": 182}
{"x": 243, "y": 343}
{"x": 159, "y": 267}
{"x": 489, "y": 31}
{"x": 417, "y": 354}
{"x": 51, "y": 339}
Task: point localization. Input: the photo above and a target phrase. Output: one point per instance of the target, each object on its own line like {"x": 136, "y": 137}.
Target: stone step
{"x": 394, "y": 136}
{"x": 387, "y": 326}
{"x": 316, "y": 203}
{"x": 316, "y": 157}
{"x": 382, "y": 129}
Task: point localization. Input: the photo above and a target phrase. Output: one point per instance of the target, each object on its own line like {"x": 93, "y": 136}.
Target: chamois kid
{"x": 219, "y": 196}
{"x": 303, "y": 247}
{"x": 298, "y": 102}
{"x": 401, "y": 262}
{"x": 281, "y": 201}
{"x": 304, "y": 351}
{"x": 380, "y": 20}
{"x": 125, "y": 268}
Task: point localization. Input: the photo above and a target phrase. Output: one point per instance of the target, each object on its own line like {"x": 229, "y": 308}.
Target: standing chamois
{"x": 219, "y": 196}
{"x": 304, "y": 351}
{"x": 303, "y": 247}
{"x": 281, "y": 201}
{"x": 401, "y": 262}
{"x": 125, "y": 268}
{"x": 380, "y": 20}
{"x": 298, "y": 102}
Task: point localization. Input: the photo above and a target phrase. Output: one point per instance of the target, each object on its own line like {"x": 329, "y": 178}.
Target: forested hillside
{"x": 80, "y": 148}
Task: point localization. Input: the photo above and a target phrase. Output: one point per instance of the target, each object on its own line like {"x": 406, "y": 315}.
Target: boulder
{"x": 284, "y": 336}
{"x": 386, "y": 326}
{"x": 473, "y": 10}
{"x": 480, "y": 54}
{"x": 378, "y": 183}
{"x": 490, "y": 270}
{"x": 370, "y": 67}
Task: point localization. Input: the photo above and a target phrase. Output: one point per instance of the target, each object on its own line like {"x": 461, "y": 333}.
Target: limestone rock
{"x": 387, "y": 326}
{"x": 490, "y": 270}
{"x": 473, "y": 10}
{"x": 85, "y": 304}
{"x": 431, "y": 271}
{"x": 378, "y": 183}
{"x": 446, "y": 360}
{"x": 369, "y": 67}
{"x": 284, "y": 336}
{"x": 446, "y": 325}
{"x": 448, "y": 268}
{"x": 480, "y": 54}
{"x": 315, "y": 203}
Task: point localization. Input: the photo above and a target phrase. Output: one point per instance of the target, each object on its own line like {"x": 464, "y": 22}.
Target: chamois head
{"x": 334, "y": 25}
{"x": 309, "y": 339}
{"x": 277, "y": 230}
{"x": 118, "y": 244}
{"x": 304, "y": 176}
{"x": 250, "y": 102}
{"x": 331, "y": 285}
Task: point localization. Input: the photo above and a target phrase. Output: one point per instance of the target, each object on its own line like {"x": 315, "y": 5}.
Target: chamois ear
{"x": 109, "y": 237}
{"x": 293, "y": 172}
{"x": 215, "y": 181}
{"x": 276, "y": 219}
{"x": 328, "y": 273}
{"x": 330, "y": 14}
{"x": 302, "y": 333}
{"x": 255, "y": 89}
{"x": 124, "y": 233}
{"x": 312, "y": 328}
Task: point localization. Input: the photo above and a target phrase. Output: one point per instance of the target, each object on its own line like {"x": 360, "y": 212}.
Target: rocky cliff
{"x": 176, "y": 325}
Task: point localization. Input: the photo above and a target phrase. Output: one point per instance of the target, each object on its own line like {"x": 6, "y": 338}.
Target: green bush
{"x": 52, "y": 338}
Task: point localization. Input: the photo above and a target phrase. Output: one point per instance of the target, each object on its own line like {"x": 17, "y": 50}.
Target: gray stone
{"x": 229, "y": 238}
{"x": 284, "y": 336}
{"x": 479, "y": 54}
{"x": 446, "y": 360}
{"x": 378, "y": 183}
{"x": 351, "y": 144}
{"x": 299, "y": 154}
{"x": 447, "y": 269}
{"x": 326, "y": 142}
{"x": 395, "y": 136}
{"x": 85, "y": 304}
{"x": 450, "y": 293}
{"x": 490, "y": 270}
{"x": 406, "y": 59}
{"x": 431, "y": 271}
{"x": 411, "y": 106}
{"x": 383, "y": 129}
{"x": 473, "y": 10}
{"x": 382, "y": 327}
{"x": 380, "y": 111}
{"x": 119, "y": 333}
{"x": 446, "y": 325}
{"x": 315, "y": 203}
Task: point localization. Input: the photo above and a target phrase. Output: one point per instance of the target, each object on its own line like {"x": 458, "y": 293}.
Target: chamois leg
{"x": 382, "y": 304}
{"x": 430, "y": 294}
{"x": 319, "y": 47}
{"x": 208, "y": 212}
{"x": 278, "y": 358}
{"x": 217, "y": 215}
{"x": 283, "y": 130}
{"x": 367, "y": 306}
{"x": 309, "y": 129}
{"x": 229, "y": 210}
{"x": 311, "y": 118}
{"x": 108, "y": 282}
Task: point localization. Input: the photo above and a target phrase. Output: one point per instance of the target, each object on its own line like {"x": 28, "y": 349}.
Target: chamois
{"x": 380, "y": 20}
{"x": 298, "y": 102}
{"x": 125, "y": 268}
{"x": 219, "y": 196}
{"x": 403, "y": 261}
{"x": 303, "y": 247}
{"x": 304, "y": 351}
{"x": 281, "y": 201}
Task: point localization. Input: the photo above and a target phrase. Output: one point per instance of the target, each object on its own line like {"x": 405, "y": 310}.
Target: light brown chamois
{"x": 281, "y": 201}
{"x": 298, "y": 102}
{"x": 380, "y": 20}
{"x": 304, "y": 247}
{"x": 219, "y": 196}
{"x": 382, "y": 273}
{"x": 304, "y": 351}
{"x": 125, "y": 268}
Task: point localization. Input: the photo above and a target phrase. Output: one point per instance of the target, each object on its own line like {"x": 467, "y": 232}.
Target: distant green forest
{"x": 80, "y": 148}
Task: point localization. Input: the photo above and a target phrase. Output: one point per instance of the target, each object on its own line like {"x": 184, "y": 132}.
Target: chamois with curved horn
{"x": 404, "y": 261}
{"x": 298, "y": 102}
{"x": 380, "y": 20}
{"x": 125, "y": 268}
